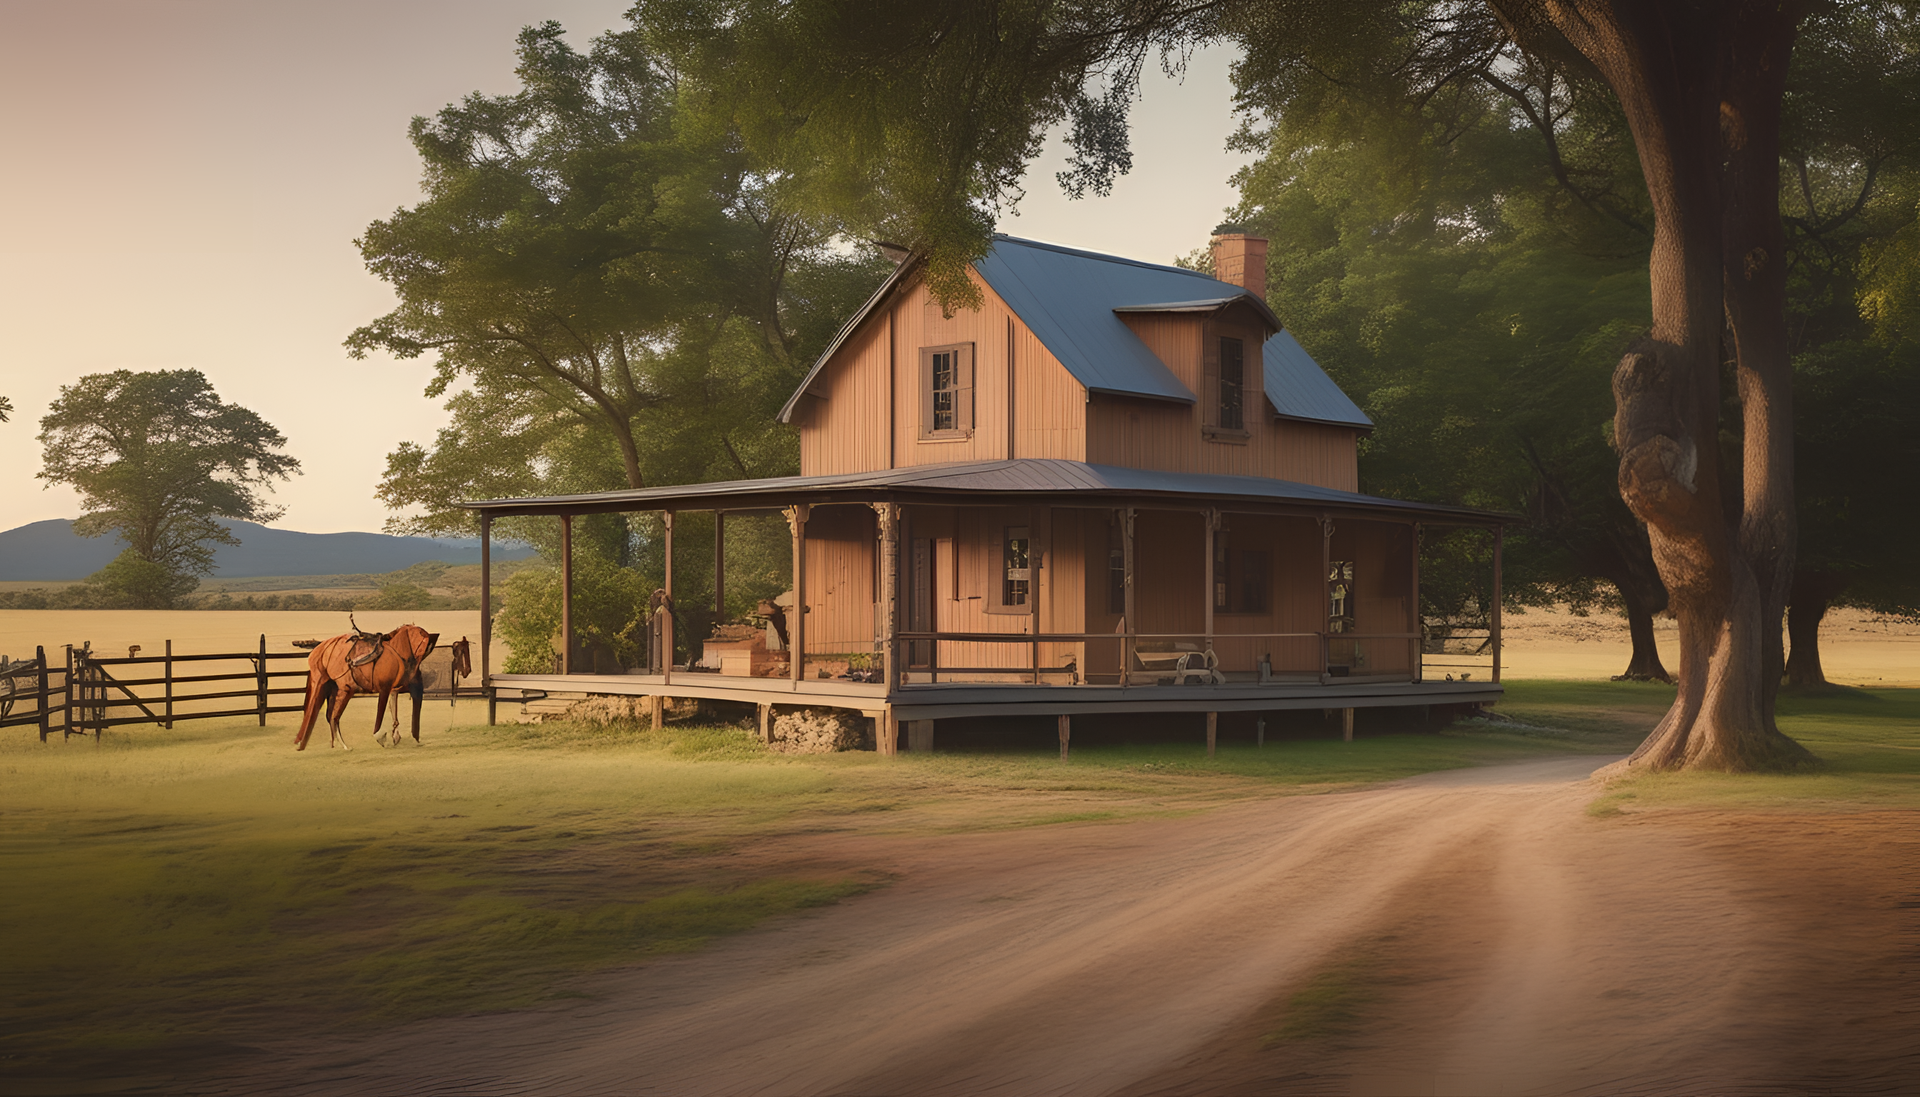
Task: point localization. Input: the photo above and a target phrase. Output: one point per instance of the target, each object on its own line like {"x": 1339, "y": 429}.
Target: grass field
{"x": 169, "y": 890}
{"x": 164, "y": 887}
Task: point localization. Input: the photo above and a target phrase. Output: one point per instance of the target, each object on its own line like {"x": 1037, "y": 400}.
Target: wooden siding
{"x": 847, "y": 430}
{"x": 841, "y": 613}
{"x": 1150, "y": 434}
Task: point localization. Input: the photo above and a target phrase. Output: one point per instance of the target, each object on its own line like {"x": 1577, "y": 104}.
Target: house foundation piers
{"x": 906, "y": 718}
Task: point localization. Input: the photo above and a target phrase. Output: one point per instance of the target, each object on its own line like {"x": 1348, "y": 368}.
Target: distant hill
{"x": 50, "y": 551}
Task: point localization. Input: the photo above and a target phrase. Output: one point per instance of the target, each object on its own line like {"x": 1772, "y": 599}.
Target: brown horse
{"x": 364, "y": 662}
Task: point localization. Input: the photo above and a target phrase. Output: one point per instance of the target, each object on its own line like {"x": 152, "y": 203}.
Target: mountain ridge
{"x": 49, "y": 551}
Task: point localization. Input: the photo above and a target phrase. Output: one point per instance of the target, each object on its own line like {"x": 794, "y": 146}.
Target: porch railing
{"x": 1140, "y": 658}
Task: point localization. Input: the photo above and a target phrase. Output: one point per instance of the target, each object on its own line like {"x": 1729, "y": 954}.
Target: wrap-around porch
{"x": 1045, "y": 588}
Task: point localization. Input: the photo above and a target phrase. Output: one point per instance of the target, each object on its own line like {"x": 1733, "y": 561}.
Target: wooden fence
{"x": 81, "y": 691}
{"x": 88, "y": 692}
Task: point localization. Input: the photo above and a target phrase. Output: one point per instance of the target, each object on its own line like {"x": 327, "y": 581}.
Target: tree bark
{"x": 1672, "y": 66}
{"x": 1812, "y": 595}
{"x": 1645, "y": 665}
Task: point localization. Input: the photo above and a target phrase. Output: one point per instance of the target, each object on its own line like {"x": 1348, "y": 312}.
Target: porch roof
{"x": 1015, "y": 482}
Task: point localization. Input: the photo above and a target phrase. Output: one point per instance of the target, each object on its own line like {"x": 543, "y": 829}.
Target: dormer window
{"x": 1233, "y": 374}
{"x": 946, "y": 402}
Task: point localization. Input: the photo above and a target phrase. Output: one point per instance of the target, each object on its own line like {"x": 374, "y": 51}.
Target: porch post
{"x": 486, "y": 606}
{"x": 1211, "y": 517}
{"x": 888, "y": 516}
{"x": 1066, "y": 734}
{"x": 666, "y": 629}
{"x": 1213, "y": 731}
{"x": 719, "y": 566}
{"x": 1037, "y": 519}
{"x": 1416, "y": 620}
{"x": 1129, "y": 624}
{"x": 566, "y": 594}
{"x": 1498, "y": 534}
{"x": 797, "y": 627}
{"x": 1326, "y": 607}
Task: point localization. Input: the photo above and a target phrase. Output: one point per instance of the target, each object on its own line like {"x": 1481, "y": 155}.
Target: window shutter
{"x": 1210, "y": 380}
{"x": 963, "y": 399}
{"x": 926, "y": 391}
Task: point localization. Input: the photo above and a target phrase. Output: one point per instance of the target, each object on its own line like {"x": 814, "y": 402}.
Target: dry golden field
{"x": 205, "y": 632}
{"x": 1856, "y": 648}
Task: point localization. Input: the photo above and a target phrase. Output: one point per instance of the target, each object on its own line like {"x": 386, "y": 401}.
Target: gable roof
{"x": 1070, "y": 299}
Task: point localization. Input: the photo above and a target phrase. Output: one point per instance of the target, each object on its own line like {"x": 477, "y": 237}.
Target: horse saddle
{"x": 366, "y": 647}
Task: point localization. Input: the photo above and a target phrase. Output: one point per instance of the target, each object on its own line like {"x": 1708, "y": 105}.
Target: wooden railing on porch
{"x": 1130, "y": 651}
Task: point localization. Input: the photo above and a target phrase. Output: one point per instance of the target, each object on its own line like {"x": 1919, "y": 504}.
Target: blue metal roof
{"x": 1299, "y": 389}
{"x": 1069, "y": 299}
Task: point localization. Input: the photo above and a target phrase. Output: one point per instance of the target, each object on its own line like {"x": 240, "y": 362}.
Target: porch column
{"x": 1066, "y": 734}
{"x": 1211, "y": 517}
{"x": 797, "y": 626}
{"x": 887, "y": 519}
{"x": 666, "y": 627}
{"x": 719, "y": 566}
{"x": 566, "y": 594}
{"x": 1129, "y": 624}
{"x": 1498, "y": 533}
{"x": 486, "y": 609}
{"x": 1037, "y": 519}
{"x": 1326, "y": 606}
{"x": 1418, "y": 622}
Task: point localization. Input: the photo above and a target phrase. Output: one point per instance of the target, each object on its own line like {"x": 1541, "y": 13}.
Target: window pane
{"x": 944, "y": 383}
{"x": 1232, "y": 379}
{"x": 1016, "y": 575}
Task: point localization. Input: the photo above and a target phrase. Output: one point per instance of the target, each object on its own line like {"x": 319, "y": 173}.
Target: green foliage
{"x": 609, "y": 612}
{"x": 157, "y": 457}
{"x": 129, "y": 582}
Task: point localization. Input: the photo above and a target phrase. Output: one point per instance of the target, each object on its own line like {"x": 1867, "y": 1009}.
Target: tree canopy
{"x": 158, "y": 458}
{"x": 940, "y": 104}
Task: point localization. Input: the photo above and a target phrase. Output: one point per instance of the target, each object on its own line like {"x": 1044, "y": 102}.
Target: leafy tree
{"x": 6, "y": 408}
{"x": 157, "y": 458}
{"x": 951, "y": 98}
{"x": 614, "y": 298}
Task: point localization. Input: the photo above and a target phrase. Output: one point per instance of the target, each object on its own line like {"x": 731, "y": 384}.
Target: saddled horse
{"x": 365, "y": 662}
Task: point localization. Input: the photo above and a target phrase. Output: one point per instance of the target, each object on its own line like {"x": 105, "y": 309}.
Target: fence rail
{"x": 77, "y": 691}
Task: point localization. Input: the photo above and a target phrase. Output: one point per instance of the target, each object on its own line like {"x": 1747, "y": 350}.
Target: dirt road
{"x": 1468, "y": 932}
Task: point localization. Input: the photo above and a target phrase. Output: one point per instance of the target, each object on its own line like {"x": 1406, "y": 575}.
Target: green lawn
{"x": 164, "y": 887}
{"x": 167, "y": 889}
{"x": 1868, "y": 743}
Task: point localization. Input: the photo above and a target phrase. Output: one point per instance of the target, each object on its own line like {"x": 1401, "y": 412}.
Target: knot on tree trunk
{"x": 1659, "y": 461}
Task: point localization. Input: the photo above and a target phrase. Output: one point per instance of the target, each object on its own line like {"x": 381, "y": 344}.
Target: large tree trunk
{"x": 1813, "y": 593}
{"x": 1645, "y": 665}
{"x": 1673, "y": 65}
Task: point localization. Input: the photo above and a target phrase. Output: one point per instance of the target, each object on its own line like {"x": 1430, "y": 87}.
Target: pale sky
{"x": 184, "y": 179}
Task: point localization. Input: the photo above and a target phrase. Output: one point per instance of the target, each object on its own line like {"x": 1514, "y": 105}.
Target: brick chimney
{"x": 1240, "y": 259}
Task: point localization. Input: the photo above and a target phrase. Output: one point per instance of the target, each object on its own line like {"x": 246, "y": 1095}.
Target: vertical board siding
{"x": 1294, "y": 596}
{"x": 846, "y": 431}
{"x": 1155, "y": 435}
{"x": 840, "y": 595}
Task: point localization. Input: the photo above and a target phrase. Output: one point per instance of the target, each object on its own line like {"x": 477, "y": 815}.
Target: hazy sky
{"x": 184, "y": 180}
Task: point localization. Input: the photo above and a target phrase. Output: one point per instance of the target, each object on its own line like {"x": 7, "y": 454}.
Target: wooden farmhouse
{"x": 1114, "y": 487}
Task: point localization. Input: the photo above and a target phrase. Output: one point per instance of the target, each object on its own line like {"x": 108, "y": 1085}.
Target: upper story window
{"x": 946, "y": 391}
{"x": 1233, "y": 375}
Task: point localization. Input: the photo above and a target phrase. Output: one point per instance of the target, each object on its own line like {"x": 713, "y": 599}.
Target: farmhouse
{"x": 1113, "y": 487}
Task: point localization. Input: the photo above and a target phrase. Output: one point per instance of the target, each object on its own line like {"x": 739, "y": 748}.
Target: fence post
{"x": 46, "y": 724}
{"x": 261, "y": 664}
{"x": 66, "y": 699}
{"x": 169, "y": 685}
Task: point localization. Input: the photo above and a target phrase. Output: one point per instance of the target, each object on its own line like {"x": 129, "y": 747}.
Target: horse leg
{"x": 339, "y": 709}
{"x": 380, "y": 713}
{"x": 418, "y": 691}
